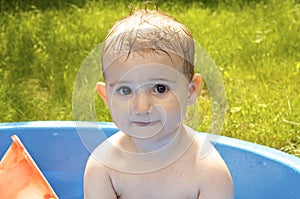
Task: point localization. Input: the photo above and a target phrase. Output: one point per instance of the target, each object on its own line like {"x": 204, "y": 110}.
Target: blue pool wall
{"x": 258, "y": 172}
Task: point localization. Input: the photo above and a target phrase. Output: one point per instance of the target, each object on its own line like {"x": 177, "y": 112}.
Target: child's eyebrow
{"x": 151, "y": 80}
{"x": 112, "y": 84}
{"x": 115, "y": 82}
{"x": 163, "y": 80}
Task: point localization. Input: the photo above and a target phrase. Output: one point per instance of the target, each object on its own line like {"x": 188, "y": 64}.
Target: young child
{"x": 148, "y": 67}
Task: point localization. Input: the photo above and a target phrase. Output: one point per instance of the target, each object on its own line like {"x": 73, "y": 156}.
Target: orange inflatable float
{"x": 20, "y": 178}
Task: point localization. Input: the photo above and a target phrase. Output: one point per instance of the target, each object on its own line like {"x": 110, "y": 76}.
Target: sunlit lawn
{"x": 255, "y": 45}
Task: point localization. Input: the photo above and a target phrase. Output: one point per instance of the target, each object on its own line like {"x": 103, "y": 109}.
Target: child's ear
{"x": 102, "y": 91}
{"x": 194, "y": 88}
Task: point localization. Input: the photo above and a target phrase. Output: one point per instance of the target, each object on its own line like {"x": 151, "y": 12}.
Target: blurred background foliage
{"x": 254, "y": 43}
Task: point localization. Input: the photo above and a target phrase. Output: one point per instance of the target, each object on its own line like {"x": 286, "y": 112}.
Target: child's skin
{"x": 148, "y": 93}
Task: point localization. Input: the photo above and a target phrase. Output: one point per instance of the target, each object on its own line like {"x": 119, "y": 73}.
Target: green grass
{"x": 255, "y": 44}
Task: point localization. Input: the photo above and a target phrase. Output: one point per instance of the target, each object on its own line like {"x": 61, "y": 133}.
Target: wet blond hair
{"x": 145, "y": 31}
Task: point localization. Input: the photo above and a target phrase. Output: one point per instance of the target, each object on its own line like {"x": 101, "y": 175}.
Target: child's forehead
{"x": 143, "y": 58}
{"x": 121, "y": 49}
{"x": 139, "y": 64}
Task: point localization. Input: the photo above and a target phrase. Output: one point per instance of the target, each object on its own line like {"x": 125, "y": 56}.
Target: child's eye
{"x": 125, "y": 90}
{"x": 160, "y": 88}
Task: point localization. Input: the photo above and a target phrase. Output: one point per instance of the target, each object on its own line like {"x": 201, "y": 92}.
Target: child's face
{"x": 148, "y": 95}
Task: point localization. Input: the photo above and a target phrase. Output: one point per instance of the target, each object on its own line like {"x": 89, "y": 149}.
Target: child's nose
{"x": 140, "y": 103}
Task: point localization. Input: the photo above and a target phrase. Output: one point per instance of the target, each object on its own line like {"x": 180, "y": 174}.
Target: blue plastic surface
{"x": 258, "y": 172}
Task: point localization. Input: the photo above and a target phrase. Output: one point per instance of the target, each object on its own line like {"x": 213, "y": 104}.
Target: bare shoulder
{"x": 102, "y": 155}
{"x": 94, "y": 168}
{"x": 98, "y": 182}
{"x": 217, "y": 181}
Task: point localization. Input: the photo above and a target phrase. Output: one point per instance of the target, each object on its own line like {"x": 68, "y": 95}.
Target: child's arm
{"x": 97, "y": 182}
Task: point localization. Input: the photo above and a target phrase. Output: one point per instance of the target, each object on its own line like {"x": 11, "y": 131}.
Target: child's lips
{"x": 142, "y": 124}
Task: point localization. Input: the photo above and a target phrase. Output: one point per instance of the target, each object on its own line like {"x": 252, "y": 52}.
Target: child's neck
{"x": 168, "y": 149}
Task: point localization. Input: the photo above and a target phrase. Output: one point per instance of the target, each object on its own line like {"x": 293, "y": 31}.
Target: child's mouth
{"x": 142, "y": 124}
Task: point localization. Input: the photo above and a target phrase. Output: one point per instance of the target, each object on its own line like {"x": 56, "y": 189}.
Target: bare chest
{"x": 167, "y": 184}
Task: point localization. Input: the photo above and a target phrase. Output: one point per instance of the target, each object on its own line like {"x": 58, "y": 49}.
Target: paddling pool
{"x": 258, "y": 172}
